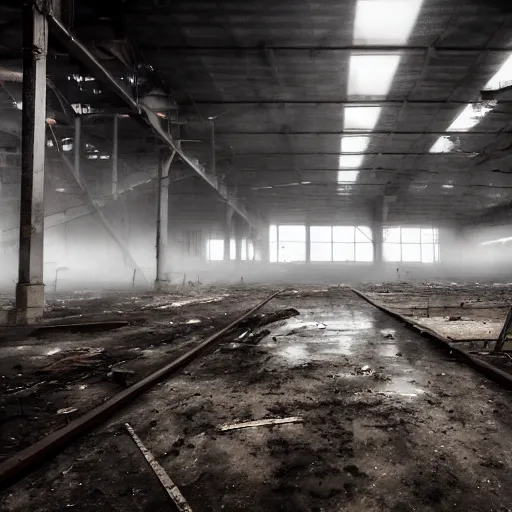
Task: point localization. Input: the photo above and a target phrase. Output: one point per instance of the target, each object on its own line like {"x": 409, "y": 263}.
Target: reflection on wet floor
{"x": 351, "y": 336}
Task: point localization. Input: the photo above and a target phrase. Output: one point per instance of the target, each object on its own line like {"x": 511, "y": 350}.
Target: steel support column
{"x": 30, "y": 287}
{"x": 308, "y": 242}
{"x": 115, "y": 153}
{"x": 238, "y": 242}
{"x": 228, "y": 231}
{"x": 77, "y": 143}
{"x": 380, "y": 215}
{"x": 162, "y": 223}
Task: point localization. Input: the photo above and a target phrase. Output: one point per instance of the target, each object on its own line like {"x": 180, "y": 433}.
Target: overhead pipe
{"x": 149, "y": 119}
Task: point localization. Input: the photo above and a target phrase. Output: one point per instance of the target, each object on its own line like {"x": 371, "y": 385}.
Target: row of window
{"x": 215, "y": 249}
{"x": 287, "y": 243}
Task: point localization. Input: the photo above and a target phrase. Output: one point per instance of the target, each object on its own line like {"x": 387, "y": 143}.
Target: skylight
{"x": 371, "y": 75}
{"x": 347, "y": 176}
{"x": 470, "y": 116}
{"x": 350, "y": 161}
{"x": 361, "y": 118}
{"x": 502, "y": 78}
{"x": 385, "y": 21}
{"x": 354, "y": 144}
{"x": 442, "y": 145}
{"x": 467, "y": 119}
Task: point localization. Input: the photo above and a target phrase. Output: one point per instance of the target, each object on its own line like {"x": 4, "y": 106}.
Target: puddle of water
{"x": 387, "y": 350}
{"x": 402, "y": 387}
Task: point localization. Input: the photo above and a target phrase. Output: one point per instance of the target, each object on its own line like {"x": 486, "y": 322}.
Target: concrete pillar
{"x": 162, "y": 222}
{"x": 377, "y": 243}
{"x": 265, "y": 244}
{"x": 77, "y": 143}
{"x": 378, "y": 218}
{"x": 228, "y": 225}
{"x": 308, "y": 243}
{"x": 30, "y": 287}
{"x": 238, "y": 244}
{"x": 115, "y": 153}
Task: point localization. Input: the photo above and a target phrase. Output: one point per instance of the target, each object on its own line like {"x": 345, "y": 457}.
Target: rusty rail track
{"x": 28, "y": 459}
{"x": 484, "y": 368}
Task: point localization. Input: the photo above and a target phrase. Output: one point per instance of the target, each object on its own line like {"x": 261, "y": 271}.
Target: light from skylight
{"x": 354, "y": 144}
{"x": 471, "y": 116}
{"x": 347, "y": 176}
{"x": 385, "y": 21}
{"x": 371, "y": 75}
{"x": 502, "y": 78}
{"x": 361, "y": 118}
{"x": 442, "y": 145}
{"x": 350, "y": 161}
{"x": 499, "y": 241}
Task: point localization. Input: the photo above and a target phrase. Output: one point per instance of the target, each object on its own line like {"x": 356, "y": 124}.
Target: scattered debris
{"x": 171, "y": 488}
{"x": 82, "y": 327}
{"x": 120, "y": 375}
{"x": 67, "y": 410}
{"x": 321, "y": 326}
{"x": 262, "y": 319}
{"x": 259, "y": 423}
{"x": 256, "y": 337}
{"x": 66, "y": 471}
{"x": 193, "y": 321}
{"x": 364, "y": 370}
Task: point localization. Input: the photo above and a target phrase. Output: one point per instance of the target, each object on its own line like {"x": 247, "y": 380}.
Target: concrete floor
{"x": 417, "y": 430}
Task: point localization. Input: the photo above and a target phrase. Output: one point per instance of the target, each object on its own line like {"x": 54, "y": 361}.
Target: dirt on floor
{"x": 388, "y": 423}
{"x": 49, "y": 376}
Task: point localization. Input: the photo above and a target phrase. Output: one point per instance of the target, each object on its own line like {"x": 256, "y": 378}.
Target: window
{"x": 292, "y": 243}
{"x": 287, "y": 243}
{"x": 411, "y": 245}
{"x": 341, "y": 243}
{"x": 250, "y": 250}
{"x": 321, "y": 243}
{"x": 215, "y": 249}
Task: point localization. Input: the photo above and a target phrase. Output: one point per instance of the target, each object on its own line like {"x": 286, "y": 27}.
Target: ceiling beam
{"x": 361, "y": 102}
{"x": 149, "y": 120}
{"x": 376, "y": 49}
{"x": 362, "y": 132}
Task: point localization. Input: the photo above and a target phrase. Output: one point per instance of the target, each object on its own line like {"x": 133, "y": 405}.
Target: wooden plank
{"x": 258, "y": 423}
{"x": 171, "y": 488}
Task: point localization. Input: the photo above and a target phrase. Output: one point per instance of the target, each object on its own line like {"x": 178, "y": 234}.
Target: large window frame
{"x": 341, "y": 244}
{"x": 410, "y": 244}
{"x": 287, "y": 243}
{"x": 215, "y": 249}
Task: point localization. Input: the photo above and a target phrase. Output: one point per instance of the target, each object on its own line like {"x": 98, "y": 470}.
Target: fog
{"x": 81, "y": 254}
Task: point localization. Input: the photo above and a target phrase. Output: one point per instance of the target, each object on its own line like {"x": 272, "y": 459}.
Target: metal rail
{"x": 486, "y": 369}
{"x": 17, "y": 466}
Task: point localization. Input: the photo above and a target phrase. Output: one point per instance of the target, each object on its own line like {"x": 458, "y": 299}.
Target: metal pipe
{"x": 25, "y": 461}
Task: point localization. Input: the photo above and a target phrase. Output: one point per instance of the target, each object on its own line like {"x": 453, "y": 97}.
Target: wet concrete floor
{"x": 389, "y": 423}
